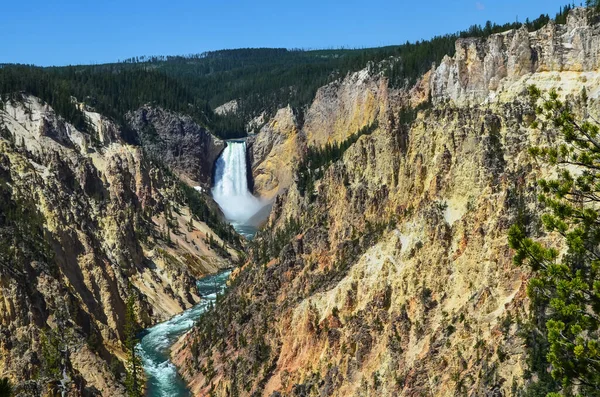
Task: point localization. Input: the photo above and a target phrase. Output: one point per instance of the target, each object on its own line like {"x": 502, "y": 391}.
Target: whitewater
{"x": 239, "y": 206}
{"x": 156, "y": 342}
{"x": 231, "y": 188}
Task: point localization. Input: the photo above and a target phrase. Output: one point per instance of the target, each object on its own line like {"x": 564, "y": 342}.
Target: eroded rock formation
{"x": 82, "y": 216}
{"x": 396, "y": 278}
{"x": 178, "y": 141}
{"x": 484, "y": 68}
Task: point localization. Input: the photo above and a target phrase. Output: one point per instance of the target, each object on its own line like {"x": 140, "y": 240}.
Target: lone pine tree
{"x": 565, "y": 289}
{"x": 133, "y": 380}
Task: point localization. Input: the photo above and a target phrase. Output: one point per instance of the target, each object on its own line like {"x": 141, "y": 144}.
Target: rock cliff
{"x": 485, "y": 68}
{"x": 395, "y": 277}
{"x": 83, "y": 216}
{"x": 339, "y": 110}
{"x": 356, "y": 101}
{"x": 178, "y": 141}
{"x": 273, "y": 153}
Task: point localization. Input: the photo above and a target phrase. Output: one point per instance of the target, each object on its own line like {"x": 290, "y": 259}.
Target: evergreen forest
{"x": 260, "y": 79}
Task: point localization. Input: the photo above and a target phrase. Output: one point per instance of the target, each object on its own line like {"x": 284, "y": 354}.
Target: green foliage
{"x": 133, "y": 380}
{"x": 566, "y": 288}
{"x": 202, "y": 212}
{"x": 260, "y": 79}
{"x": 561, "y": 17}
{"x": 593, "y": 10}
{"x": 214, "y": 244}
{"x": 268, "y": 244}
{"x": 51, "y": 354}
{"x": 6, "y": 388}
{"x": 318, "y": 159}
{"x": 15, "y": 80}
{"x": 112, "y": 92}
{"x": 263, "y": 78}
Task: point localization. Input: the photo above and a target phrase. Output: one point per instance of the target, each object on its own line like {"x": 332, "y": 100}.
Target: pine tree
{"x": 133, "y": 381}
{"x": 51, "y": 353}
{"x": 168, "y": 215}
{"x": 6, "y": 389}
{"x": 566, "y": 288}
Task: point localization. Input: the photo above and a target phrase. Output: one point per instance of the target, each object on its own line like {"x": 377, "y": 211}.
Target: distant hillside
{"x": 260, "y": 79}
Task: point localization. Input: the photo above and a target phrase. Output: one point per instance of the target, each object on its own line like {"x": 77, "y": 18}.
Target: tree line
{"x": 261, "y": 79}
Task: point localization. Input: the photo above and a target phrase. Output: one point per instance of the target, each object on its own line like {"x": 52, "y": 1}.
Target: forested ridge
{"x": 260, "y": 79}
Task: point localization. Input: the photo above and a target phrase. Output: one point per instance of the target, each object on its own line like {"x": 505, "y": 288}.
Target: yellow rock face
{"x": 97, "y": 220}
{"x": 275, "y": 151}
{"x": 339, "y": 110}
{"x": 400, "y": 281}
{"x": 342, "y": 108}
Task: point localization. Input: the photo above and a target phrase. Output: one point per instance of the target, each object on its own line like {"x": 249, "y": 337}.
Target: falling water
{"x": 241, "y": 209}
{"x": 231, "y": 188}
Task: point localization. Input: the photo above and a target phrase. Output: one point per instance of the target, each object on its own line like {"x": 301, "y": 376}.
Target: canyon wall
{"x": 395, "y": 277}
{"x": 273, "y": 152}
{"x": 483, "y": 69}
{"x": 87, "y": 220}
{"x": 355, "y": 102}
{"x": 178, "y": 141}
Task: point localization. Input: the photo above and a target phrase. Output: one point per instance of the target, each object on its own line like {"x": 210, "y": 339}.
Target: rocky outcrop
{"x": 86, "y": 220}
{"x": 178, "y": 141}
{"x": 400, "y": 264}
{"x": 395, "y": 278}
{"x": 227, "y": 108}
{"x": 356, "y": 101}
{"x": 339, "y": 110}
{"x": 273, "y": 152}
{"x": 483, "y": 68}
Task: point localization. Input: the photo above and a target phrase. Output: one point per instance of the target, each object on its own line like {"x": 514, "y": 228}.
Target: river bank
{"x": 156, "y": 342}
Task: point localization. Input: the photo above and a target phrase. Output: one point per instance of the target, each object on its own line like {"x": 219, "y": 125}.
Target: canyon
{"x": 389, "y": 274}
{"x": 88, "y": 221}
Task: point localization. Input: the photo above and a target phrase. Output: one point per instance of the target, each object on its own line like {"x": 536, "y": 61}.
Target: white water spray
{"x": 231, "y": 185}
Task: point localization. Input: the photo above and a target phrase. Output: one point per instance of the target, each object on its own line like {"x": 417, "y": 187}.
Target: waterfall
{"x": 231, "y": 185}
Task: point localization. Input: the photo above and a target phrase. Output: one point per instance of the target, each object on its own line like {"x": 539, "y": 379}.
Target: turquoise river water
{"x": 155, "y": 344}
{"x": 242, "y": 209}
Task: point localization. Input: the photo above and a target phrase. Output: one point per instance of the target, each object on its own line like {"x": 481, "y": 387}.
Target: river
{"x": 244, "y": 212}
{"x": 155, "y": 344}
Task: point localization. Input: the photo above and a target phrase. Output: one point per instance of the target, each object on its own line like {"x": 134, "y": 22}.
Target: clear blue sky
{"x": 60, "y": 32}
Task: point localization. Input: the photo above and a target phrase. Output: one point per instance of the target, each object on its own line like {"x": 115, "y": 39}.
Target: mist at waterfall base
{"x": 155, "y": 343}
{"x": 231, "y": 191}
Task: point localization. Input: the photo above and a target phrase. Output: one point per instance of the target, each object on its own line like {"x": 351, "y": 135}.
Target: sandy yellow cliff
{"x": 397, "y": 278}
{"x": 84, "y": 215}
